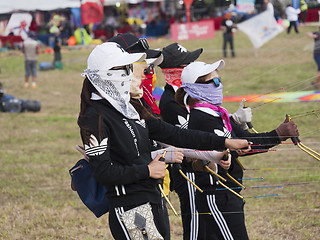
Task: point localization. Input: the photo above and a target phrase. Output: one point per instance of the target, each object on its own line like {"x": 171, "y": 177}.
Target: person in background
{"x": 316, "y": 55}
{"x": 269, "y": 7}
{"x": 57, "y": 47}
{"x": 227, "y": 26}
{"x": 292, "y": 16}
{"x": 110, "y": 23}
{"x": 30, "y": 49}
{"x": 136, "y": 30}
{"x": 304, "y": 11}
{"x": 33, "y": 26}
{"x": 125, "y": 27}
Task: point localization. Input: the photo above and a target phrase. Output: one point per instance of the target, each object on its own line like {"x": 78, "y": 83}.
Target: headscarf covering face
{"x": 205, "y": 92}
{"x": 136, "y": 90}
{"x": 113, "y": 85}
{"x": 141, "y": 86}
{"x": 210, "y": 96}
{"x": 173, "y": 76}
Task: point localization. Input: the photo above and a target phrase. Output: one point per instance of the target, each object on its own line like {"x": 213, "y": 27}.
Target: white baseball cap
{"x": 194, "y": 70}
{"x": 110, "y": 54}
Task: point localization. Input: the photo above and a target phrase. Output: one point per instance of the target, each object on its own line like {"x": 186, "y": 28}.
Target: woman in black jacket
{"x": 201, "y": 94}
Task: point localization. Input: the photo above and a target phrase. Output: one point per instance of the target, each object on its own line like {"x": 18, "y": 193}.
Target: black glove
{"x": 287, "y": 129}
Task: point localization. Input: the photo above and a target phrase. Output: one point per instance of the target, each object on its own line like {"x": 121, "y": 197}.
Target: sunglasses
{"x": 148, "y": 69}
{"x": 128, "y": 68}
{"x": 142, "y": 41}
{"x": 216, "y": 81}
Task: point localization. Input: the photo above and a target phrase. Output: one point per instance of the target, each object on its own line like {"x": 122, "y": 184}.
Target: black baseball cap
{"x": 132, "y": 44}
{"x": 175, "y": 55}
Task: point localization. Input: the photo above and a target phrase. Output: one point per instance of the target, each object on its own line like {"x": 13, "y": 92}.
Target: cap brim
{"x": 152, "y": 53}
{"x": 221, "y": 64}
{"x": 155, "y": 61}
{"x": 192, "y": 56}
{"x": 129, "y": 58}
{"x": 212, "y": 67}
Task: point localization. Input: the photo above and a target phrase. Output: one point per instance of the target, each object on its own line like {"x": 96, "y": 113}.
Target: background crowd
{"x": 151, "y": 20}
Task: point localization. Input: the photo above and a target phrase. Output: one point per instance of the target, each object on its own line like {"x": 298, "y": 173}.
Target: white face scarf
{"x": 114, "y": 86}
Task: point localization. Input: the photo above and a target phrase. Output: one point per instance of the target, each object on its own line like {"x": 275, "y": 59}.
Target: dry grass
{"x": 37, "y": 149}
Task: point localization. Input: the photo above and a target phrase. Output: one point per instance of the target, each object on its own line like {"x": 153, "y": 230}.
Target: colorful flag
{"x": 18, "y": 25}
{"x": 91, "y": 11}
{"x": 260, "y": 28}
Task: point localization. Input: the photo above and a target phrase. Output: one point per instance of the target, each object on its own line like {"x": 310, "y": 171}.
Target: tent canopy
{"x": 10, "y": 6}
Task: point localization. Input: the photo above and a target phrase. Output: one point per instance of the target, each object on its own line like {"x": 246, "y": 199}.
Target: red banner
{"x": 193, "y": 30}
{"x": 91, "y": 12}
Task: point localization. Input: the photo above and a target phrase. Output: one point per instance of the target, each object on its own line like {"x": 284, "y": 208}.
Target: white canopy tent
{"x": 114, "y": 2}
{"x": 9, "y": 6}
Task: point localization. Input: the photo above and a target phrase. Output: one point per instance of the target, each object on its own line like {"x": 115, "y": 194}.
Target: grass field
{"x": 38, "y": 149}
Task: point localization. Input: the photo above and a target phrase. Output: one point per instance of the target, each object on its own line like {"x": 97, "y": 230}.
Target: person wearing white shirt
{"x": 269, "y": 6}
{"x": 292, "y": 16}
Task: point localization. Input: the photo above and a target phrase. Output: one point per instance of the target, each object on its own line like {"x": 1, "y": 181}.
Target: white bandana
{"x": 114, "y": 86}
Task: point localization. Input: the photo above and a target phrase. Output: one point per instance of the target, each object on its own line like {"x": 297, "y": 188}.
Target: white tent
{"x": 9, "y": 6}
{"x": 114, "y": 2}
